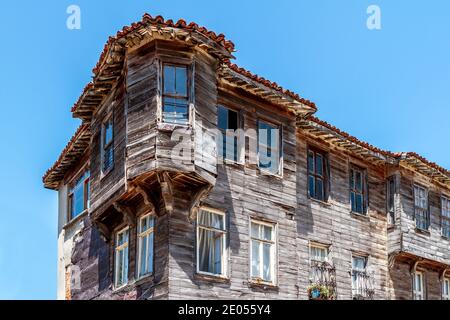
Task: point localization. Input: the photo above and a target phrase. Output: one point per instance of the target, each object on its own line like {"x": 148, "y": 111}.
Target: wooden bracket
{"x": 443, "y": 272}
{"x": 414, "y": 266}
{"x": 166, "y": 190}
{"x": 103, "y": 230}
{"x": 127, "y": 213}
{"x": 199, "y": 196}
{"x": 391, "y": 260}
{"x": 148, "y": 199}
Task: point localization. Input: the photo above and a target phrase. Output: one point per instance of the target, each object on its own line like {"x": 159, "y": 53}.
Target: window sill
{"x": 169, "y": 127}
{"x": 267, "y": 173}
{"x": 360, "y": 216}
{"x": 131, "y": 285}
{"x": 75, "y": 220}
{"x": 321, "y": 202}
{"x": 106, "y": 173}
{"x": 262, "y": 285}
{"x": 422, "y": 231}
{"x": 211, "y": 278}
{"x": 445, "y": 237}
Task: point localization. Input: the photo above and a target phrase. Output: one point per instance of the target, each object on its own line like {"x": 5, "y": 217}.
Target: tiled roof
{"x": 68, "y": 157}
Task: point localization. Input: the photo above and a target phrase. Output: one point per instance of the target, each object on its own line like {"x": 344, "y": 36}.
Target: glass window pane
{"x": 150, "y": 253}
{"x": 311, "y": 186}
{"x": 205, "y": 251}
{"x": 169, "y": 79}
{"x": 255, "y": 259}
{"x": 108, "y": 132}
{"x": 255, "y": 230}
{"x": 311, "y": 162}
{"x": 222, "y": 117}
{"x": 267, "y": 274}
{"x": 143, "y": 255}
{"x": 232, "y": 120}
{"x": 320, "y": 193}
{"x": 358, "y": 181}
{"x": 181, "y": 81}
{"x": 267, "y": 233}
{"x": 319, "y": 164}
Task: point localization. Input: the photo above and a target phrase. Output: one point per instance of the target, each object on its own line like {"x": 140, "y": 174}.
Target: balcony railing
{"x": 323, "y": 278}
{"x": 362, "y": 285}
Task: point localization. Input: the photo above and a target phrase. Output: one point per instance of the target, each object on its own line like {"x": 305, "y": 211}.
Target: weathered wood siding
{"x": 430, "y": 245}
{"x": 104, "y": 188}
{"x": 141, "y": 120}
{"x": 334, "y": 225}
{"x": 243, "y": 193}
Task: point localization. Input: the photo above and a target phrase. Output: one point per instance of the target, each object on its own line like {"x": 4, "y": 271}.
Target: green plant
{"x": 317, "y": 291}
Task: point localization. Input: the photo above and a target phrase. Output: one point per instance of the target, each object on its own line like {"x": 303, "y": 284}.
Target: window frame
{"x": 415, "y": 292}
{"x": 273, "y": 253}
{"x": 224, "y": 258}
{"x": 320, "y": 247}
{"x": 354, "y": 287}
{"x": 139, "y": 235}
{"x": 426, "y": 209}
{"x": 445, "y": 219}
{"x": 238, "y": 151}
{"x": 446, "y": 282}
{"x": 86, "y": 192}
{"x": 105, "y": 146}
{"x": 325, "y": 174}
{"x": 279, "y": 126}
{"x": 118, "y": 248}
{"x": 364, "y": 189}
{"x": 390, "y": 207}
{"x": 188, "y": 96}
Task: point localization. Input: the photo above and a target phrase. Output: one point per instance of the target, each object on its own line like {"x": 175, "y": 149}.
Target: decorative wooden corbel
{"x": 391, "y": 260}
{"x": 166, "y": 190}
{"x": 442, "y": 273}
{"x": 199, "y": 196}
{"x": 127, "y": 213}
{"x": 414, "y": 266}
{"x": 147, "y": 198}
{"x": 103, "y": 230}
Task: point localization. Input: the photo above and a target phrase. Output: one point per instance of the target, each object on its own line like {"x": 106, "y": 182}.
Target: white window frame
{"x": 150, "y": 232}
{"x": 317, "y": 246}
{"x": 189, "y": 93}
{"x": 355, "y": 287}
{"x": 117, "y": 249}
{"x": 279, "y": 172}
{"x": 424, "y": 209}
{"x": 446, "y": 284}
{"x": 418, "y": 295}
{"x": 445, "y": 214}
{"x": 106, "y": 145}
{"x": 82, "y": 178}
{"x": 273, "y": 253}
{"x": 224, "y": 260}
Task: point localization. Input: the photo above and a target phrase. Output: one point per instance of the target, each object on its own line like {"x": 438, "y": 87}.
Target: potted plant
{"x": 319, "y": 292}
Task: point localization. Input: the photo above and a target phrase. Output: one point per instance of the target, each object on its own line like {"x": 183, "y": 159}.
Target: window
{"x": 317, "y": 175}
{"x": 121, "y": 258}
{"x": 211, "y": 243}
{"x": 145, "y": 245}
{"x": 421, "y": 212}
{"x": 228, "y": 120}
{"x": 175, "y": 94}
{"x": 362, "y": 286}
{"x": 446, "y": 289}
{"x": 445, "y": 221}
{"x": 358, "y": 190}
{"x": 262, "y": 251}
{"x": 79, "y": 196}
{"x": 269, "y": 149}
{"x": 108, "y": 145}
{"x": 318, "y": 253}
{"x": 418, "y": 286}
{"x": 391, "y": 200}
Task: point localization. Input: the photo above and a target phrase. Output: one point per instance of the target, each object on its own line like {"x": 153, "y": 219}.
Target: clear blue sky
{"x": 389, "y": 87}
